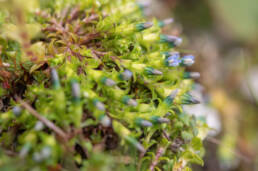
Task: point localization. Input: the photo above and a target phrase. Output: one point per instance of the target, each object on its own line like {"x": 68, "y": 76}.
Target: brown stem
{"x": 165, "y": 134}
{"x": 90, "y": 18}
{"x": 74, "y": 14}
{"x": 44, "y": 120}
{"x": 159, "y": 153}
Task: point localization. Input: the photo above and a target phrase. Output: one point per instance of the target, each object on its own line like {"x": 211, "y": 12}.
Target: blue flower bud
{"x": 173, "y": 40}
{"x": 43, "y": 154}
{"x": 165, "y": 22}
{"x": 38, "y": 126}
{"x": 152, "y": 71}
{"x": 188, "y": 99}
{"x": 131, "y": 102}
{"x": 17, "y": 111}
{"x": 158, "y": 120}
{"x": 143, "y": 123}
{"x": 55, "y": 79}
{"x": 46, "y": 152}
{"x": 191, "y": 75}
{"x": 169, "y": 99}
{"x": 105, "y": 121}
{"x": 143, "y": 26}
{"x": 108, "y": 81}
{"x": 173, "y": 61}
{"x": 167, "y": 114}
{"x": 187, "y": 60}
{"x": 168, "y": 54}
{"x": 98, "y": 104}
{"x": 135, "y": 143}
{"x": 126, "y": 75}
{"x": 75, "y": 91}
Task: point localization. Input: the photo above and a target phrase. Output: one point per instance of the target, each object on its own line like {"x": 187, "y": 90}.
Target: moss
{"x": 91, "y": 85}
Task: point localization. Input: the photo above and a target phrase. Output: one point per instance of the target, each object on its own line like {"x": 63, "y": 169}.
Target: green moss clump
{"x": 91, "y": 85}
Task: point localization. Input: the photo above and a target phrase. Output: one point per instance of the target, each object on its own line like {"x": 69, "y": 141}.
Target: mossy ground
{"x": 91, "y": 85}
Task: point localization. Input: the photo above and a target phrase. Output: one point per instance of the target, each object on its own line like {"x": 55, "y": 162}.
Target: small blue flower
{"x": 188, "y": 60}
{"x": 173, "y": 61}
{"x": 168, "y": 54}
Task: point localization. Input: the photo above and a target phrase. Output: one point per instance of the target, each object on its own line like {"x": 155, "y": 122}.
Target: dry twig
{"x": 44, "y": 120}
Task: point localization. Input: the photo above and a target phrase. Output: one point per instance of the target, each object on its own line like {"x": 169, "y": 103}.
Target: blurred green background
{"x": 223, "y": 34}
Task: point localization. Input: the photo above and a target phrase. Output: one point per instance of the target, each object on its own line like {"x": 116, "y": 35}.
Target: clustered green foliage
{"x": 90, "y": 85}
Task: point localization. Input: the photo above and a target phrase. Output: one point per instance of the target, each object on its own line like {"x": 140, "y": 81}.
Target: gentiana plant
{"x": 93, "y": 85}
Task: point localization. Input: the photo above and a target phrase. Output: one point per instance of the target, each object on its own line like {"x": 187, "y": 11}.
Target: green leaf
{"x": 192, "y": 157}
